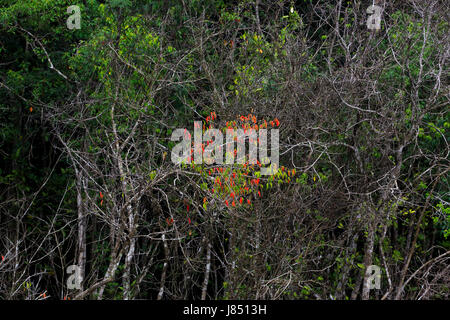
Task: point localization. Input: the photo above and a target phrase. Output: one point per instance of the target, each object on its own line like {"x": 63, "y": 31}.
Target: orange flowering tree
{"x": 232, "y": 187}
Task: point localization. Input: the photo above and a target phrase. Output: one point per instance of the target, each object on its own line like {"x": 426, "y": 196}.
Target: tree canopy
{"x": 86, "y": 177}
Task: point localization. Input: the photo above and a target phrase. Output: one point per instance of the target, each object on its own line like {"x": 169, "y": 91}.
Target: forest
{"x": 97, "y": 98}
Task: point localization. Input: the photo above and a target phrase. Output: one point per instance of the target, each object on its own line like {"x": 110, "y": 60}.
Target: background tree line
{"x": 85, "y": 171}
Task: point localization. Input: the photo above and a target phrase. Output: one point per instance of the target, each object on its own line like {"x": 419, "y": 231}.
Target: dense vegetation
{"x": 86, "y": 176}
